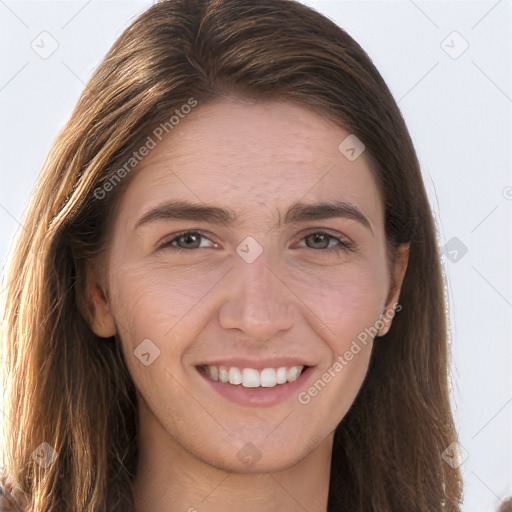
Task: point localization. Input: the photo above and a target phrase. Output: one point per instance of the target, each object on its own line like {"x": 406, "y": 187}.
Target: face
{"x": 247, "y": 248}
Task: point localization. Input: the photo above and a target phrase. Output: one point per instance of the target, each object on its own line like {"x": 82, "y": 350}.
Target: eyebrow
{"x": 298, "y": 212}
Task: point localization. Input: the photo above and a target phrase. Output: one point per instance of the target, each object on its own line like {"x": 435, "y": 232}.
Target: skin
{"x": 296, "y": 299}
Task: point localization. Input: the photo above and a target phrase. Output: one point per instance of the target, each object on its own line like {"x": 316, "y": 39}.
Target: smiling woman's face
{"x": 225, "y": 257}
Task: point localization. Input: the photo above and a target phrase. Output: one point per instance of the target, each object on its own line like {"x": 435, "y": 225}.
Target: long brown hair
{"x": 68, "y": 388}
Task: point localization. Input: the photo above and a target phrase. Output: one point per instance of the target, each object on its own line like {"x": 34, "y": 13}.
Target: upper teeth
{"x": 251, "y": 378}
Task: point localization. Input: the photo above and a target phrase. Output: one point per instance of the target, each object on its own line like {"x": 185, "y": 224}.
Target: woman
{"x": 228, "y": 291}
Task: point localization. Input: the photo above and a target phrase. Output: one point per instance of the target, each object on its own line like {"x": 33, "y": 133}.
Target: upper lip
{"x": 257, "y": 364}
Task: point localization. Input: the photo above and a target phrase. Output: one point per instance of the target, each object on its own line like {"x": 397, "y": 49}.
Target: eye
{"x": 320, "y": 240}
{"x": 188, "y": 240}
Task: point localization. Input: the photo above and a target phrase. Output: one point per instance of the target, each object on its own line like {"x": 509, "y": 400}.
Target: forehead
{"x": 253, "y": 157}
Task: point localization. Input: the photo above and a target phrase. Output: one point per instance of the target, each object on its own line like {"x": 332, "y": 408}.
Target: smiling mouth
{"x": 252, "y": 378}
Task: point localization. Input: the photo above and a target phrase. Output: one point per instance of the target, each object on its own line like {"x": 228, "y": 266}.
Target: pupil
{"x": 319, "y": 239}
{"x": 190, "y": 239}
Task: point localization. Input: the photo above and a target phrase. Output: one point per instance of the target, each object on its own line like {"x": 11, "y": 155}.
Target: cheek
{"x": 345, "y": 308}
{"x": 156, "y": 314}
{"x": 151, "y": 301}
{"x": 344, "y": 301}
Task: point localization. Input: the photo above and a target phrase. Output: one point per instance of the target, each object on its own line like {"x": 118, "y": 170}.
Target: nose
{"x": 257, "y": 303}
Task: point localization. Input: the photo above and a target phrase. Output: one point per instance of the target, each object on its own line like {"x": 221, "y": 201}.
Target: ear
{"x": 397, "y": 277}
{"x": 97, "y": 307}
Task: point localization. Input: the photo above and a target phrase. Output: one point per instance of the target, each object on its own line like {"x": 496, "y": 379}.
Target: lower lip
{"x": 259, "y": 396}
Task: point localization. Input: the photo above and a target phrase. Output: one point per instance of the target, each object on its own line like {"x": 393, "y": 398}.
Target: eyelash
{"x": 343, "y": 245}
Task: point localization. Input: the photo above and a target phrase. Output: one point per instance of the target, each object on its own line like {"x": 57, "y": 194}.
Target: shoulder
{"x": 7, "y": 501}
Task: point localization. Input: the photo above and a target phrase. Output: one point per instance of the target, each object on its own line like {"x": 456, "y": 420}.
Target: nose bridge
{"x": 259, "y": 284}
{"x": 257, "y": 302}
{"x": 258, "y": 289}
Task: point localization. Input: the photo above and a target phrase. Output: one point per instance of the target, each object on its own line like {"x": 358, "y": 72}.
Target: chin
{"x": 260, "y": 456}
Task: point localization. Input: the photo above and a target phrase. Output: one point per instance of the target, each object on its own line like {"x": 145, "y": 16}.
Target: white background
{"x": 458, "y": 111}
